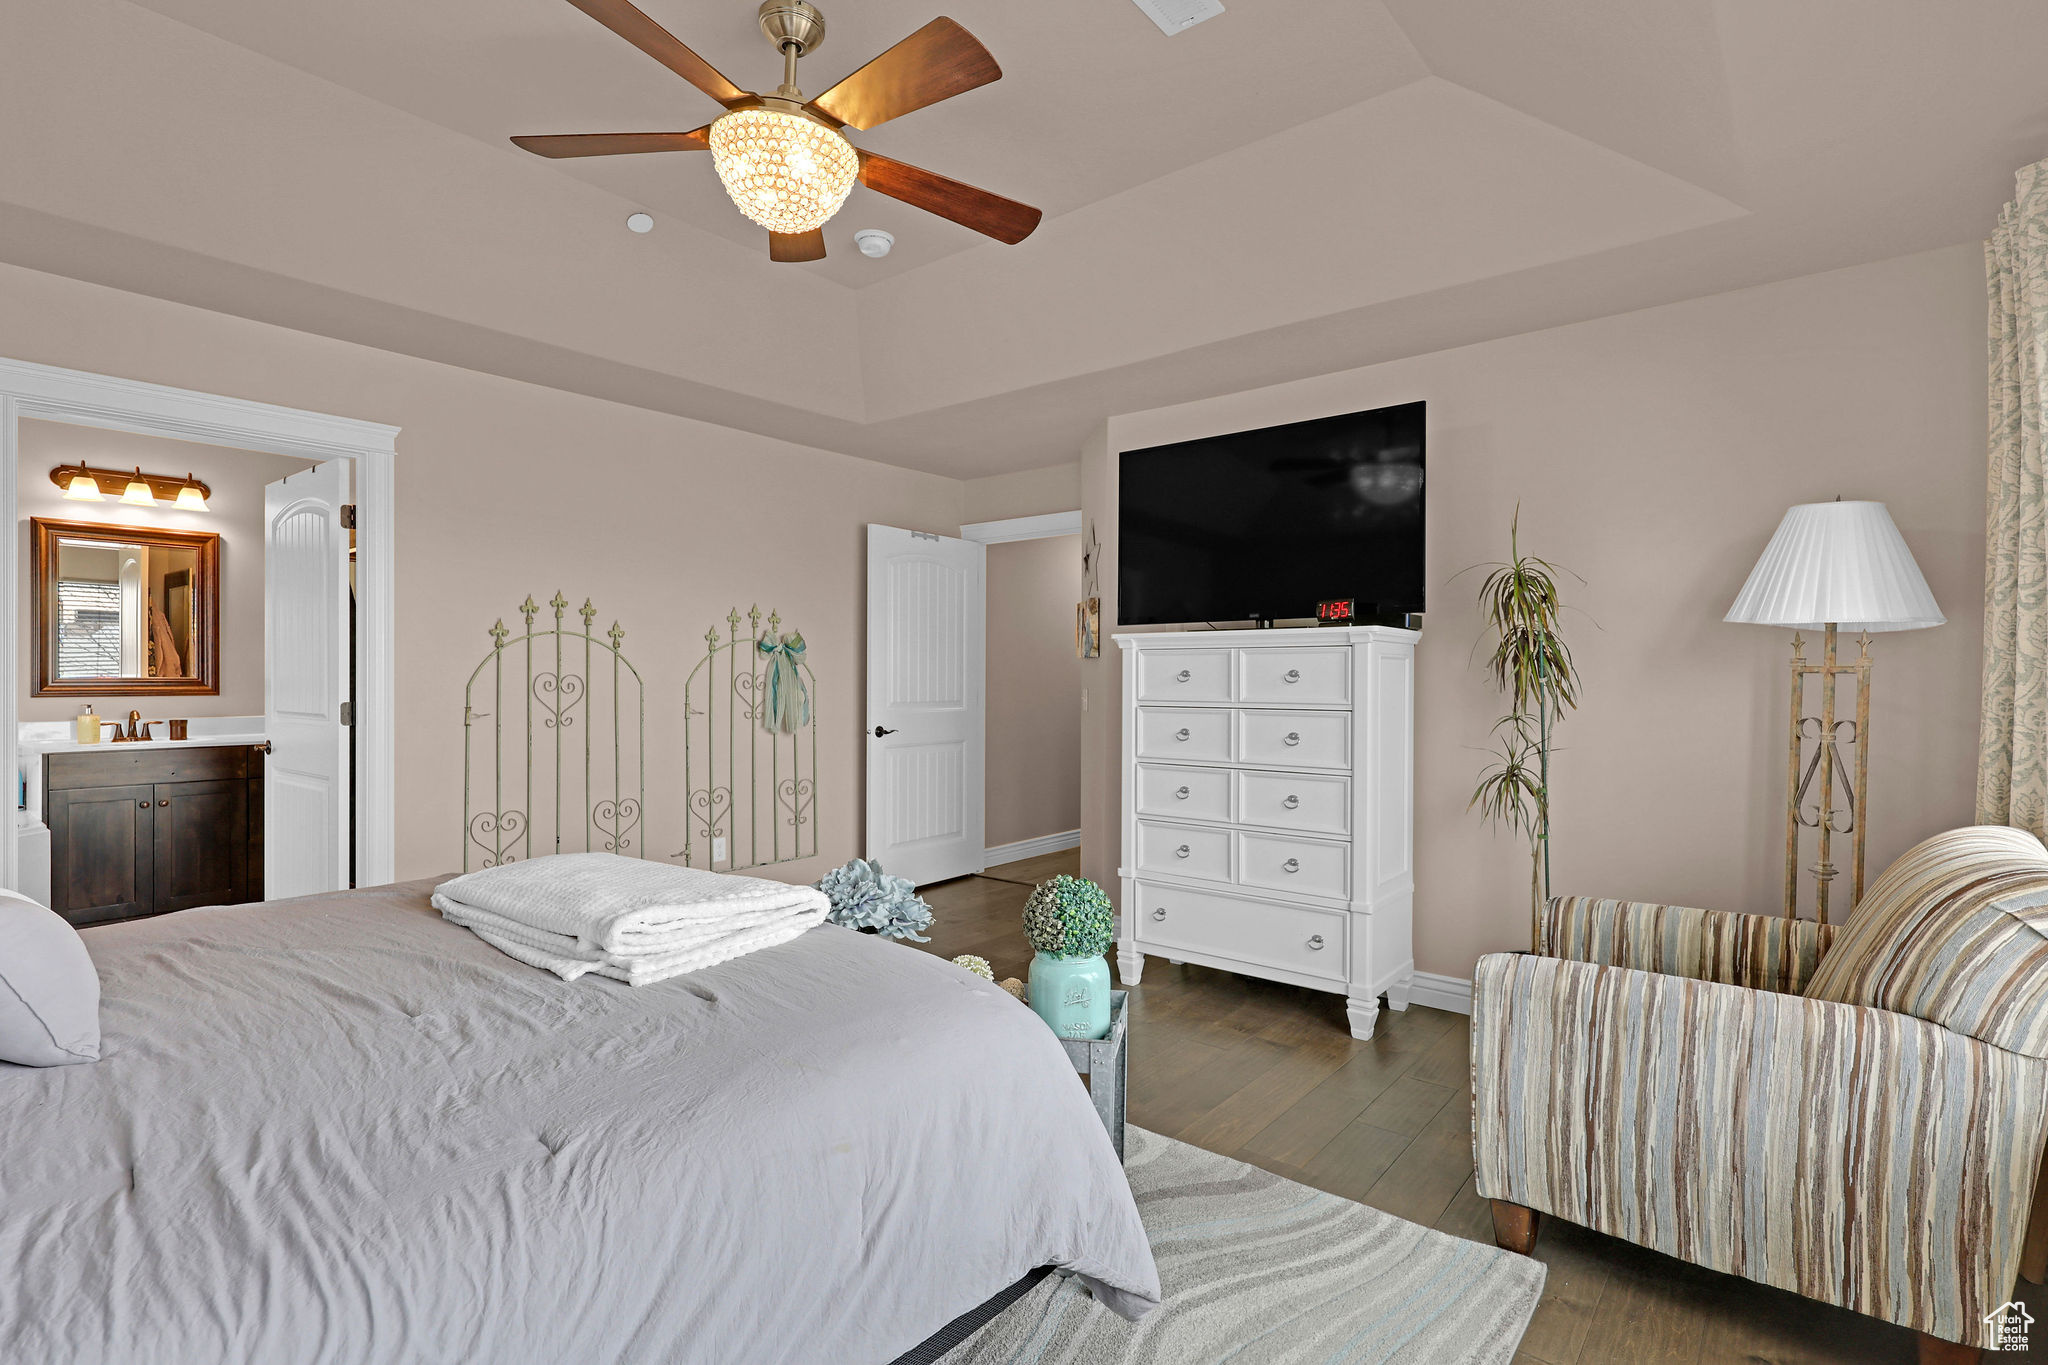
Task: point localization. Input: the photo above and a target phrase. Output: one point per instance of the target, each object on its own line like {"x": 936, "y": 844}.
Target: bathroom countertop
{"x": 72, "y": 746}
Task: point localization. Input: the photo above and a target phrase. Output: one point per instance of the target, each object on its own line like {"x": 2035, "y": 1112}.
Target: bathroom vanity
{"x": 143, "y": 828}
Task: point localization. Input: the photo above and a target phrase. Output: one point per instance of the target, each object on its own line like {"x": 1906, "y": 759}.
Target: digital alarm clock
{"x": 1337, "y": 611}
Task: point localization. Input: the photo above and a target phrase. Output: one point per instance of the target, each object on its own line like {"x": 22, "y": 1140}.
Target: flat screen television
{"x": 1265, "y": 525}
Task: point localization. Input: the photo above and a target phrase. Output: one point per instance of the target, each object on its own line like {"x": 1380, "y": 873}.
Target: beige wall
{"x": 234, "y": 512}
{"x": 1026, "y": 493}
{"x": 507, "y": 488}
{"x": 1034, "y": 689}
{"x": 1653, "y": 453}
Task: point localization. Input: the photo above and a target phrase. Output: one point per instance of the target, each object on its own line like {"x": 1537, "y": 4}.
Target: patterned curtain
{"x": 2012, "y": 761}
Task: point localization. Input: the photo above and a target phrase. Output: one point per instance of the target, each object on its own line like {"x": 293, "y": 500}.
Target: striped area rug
{"x": 1258, "y": 1270}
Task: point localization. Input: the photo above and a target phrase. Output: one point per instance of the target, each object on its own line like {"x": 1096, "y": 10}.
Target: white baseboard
{"x": 1453, "y": 993}
{"x": 1031, "y": 848}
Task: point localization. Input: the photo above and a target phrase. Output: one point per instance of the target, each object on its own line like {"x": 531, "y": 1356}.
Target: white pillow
{"x": 49, "y": 992}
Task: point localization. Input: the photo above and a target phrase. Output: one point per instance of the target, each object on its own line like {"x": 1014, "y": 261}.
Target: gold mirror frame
{"x": 205, "y": 545}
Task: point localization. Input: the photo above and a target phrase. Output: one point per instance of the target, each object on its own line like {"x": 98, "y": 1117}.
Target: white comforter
{"x": 342, "y": 1131}
{"x": 627, "y": 918}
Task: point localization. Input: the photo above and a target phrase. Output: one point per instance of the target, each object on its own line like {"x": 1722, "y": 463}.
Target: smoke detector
{"x": 640, "y": 222}
{"x": 874, "y": 242}
{"x": 1178, "y": 16}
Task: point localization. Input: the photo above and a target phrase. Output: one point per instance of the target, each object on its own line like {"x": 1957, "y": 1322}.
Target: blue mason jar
{"x": 1071, "y": 994}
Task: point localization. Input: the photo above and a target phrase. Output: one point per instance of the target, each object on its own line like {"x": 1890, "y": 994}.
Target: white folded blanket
{"x": 625, "y": 918}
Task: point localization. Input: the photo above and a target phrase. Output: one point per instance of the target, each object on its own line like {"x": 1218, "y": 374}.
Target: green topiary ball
{"x": 1069, "y": 917}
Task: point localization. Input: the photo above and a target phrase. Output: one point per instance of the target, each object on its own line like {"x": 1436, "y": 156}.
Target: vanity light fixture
{"x": 84, "y": 483}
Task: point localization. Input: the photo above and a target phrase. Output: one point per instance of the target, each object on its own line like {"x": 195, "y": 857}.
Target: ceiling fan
{"x": 783, "y": 158}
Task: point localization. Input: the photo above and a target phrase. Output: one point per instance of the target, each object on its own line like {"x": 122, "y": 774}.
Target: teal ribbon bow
{"x": 786, "y": 704}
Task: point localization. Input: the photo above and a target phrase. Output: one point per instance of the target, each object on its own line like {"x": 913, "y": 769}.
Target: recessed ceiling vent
{"x": 1178, "y": 16}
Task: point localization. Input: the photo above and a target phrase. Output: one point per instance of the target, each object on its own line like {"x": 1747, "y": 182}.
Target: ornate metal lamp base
{"x": 1814, "y": 794}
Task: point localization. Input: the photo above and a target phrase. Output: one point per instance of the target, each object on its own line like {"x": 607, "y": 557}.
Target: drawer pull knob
{"x": 1292, "y": 675}
{"x": 1293, "y": 738}
{"x": 1182, "y": 851}
{"x": 163, "y": 803}
{"x": 143, "y": 804}
{"x": 1182, "y": 676}
{"x": 1160, "y": 913}
{"x": 1181, "y": 792}
{"x": 1291, "y": 865}
{"x": 1315, "y": 943}
{"x": 1181, "y": 734}
{"x": 1291, "y": 802}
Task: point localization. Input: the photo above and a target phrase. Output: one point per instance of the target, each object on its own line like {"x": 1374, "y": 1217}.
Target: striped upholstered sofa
{"x": 1853, "y": 1114}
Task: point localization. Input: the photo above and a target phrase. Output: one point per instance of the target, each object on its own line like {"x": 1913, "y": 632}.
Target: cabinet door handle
{"x": 160, "y": 803}
{"x": 1292, "y": 675}
{"x": 1315, "y": 943}
{"x": 1181, "y": 734}
{"x": 1182, "y": 676}
{"x": 1293, "y": 738}
{"x": 1160, "y": 913}
{"x": 1291, "y": 802}
{"x": 1182, "y": 793}
{"x": 1181, "y": 852}
{"x": 143, "y": 804}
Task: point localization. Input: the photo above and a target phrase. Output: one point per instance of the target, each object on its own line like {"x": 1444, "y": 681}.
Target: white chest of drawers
{"x": 1268, "y": 808}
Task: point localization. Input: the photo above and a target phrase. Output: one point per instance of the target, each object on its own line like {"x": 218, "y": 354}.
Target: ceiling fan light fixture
{"x": 783, "y": 169}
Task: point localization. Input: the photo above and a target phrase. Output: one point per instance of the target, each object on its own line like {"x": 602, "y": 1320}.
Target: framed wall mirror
{"x": 124, "y": 611}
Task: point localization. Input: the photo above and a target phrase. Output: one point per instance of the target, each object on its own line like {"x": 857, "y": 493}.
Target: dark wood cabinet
{"x": 141, "y": 832}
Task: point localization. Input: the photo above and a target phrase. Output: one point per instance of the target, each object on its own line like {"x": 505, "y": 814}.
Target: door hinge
{"x": 924, "y": 535}
{"x": 348, "y": 713}
{"x": 348, "y": 516}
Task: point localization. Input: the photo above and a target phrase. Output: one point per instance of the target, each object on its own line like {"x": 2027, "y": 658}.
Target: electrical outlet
{"x": 718, "y": 850}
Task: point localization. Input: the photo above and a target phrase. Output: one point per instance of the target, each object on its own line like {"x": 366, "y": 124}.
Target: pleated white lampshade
{"x": 1837, "y": 563}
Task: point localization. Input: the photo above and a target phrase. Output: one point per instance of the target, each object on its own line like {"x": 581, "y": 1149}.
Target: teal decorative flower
{"x": 865, "y": 897}
{"x": 1069, "y": 917}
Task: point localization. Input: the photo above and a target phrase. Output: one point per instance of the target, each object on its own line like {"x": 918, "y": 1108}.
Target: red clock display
{"x": 1337, "y": 611}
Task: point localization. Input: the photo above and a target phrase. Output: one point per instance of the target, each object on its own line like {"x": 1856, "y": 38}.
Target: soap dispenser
{"x": 88, "y": 726}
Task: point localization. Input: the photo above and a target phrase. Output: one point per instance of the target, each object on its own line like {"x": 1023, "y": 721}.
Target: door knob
{"x": 1160, "y": 913}
{"x": 143, "y": 804}
{"x": 1182, "y": 793}
{"x": 881, "y": 730}
{"x": 1315, "y": 943}
{"x": 1291, "y": 865}
{"x": 161, "y": 803}
{"x": 1293, "y": 738}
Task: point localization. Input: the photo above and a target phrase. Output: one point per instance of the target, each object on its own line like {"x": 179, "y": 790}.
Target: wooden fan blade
{"x": 797, "y": 246}
{"x": 1006, "y": 220}
{"x": 935, "y": 63}
{"x": 657, "y": 42}
{"x": 614, "y": 144}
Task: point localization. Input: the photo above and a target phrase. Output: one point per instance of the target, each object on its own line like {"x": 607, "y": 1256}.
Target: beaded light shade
{"x": 787, "y": 172}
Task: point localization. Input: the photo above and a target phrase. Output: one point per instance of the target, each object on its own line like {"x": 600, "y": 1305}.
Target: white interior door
{"x": 305, "y": 683}
{"x": 926, "y": 703}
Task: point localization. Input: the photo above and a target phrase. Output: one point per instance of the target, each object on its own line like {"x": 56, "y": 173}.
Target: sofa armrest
{"x": 1762, "y": 952}
{"x": 1853, "y": 1155}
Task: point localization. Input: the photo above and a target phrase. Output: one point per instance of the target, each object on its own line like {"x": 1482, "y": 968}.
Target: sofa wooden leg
{"x": 1935, "y": 1351}
{"x": 2034, "y": 1250}
{"x": 1514, "y": 1227}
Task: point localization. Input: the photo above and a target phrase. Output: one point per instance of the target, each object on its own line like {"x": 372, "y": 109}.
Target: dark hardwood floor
{"x": 1270, "y": 1075}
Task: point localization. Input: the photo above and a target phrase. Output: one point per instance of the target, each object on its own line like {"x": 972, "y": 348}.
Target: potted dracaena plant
{"x": 1533, "y": 669}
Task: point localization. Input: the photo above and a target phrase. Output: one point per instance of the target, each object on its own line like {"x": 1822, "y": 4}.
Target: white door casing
{"x": 305, "y": 682}
{"x": 926, "y": 694}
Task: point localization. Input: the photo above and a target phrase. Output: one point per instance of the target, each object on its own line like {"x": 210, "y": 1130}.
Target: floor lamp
{"x": 1832, "y": 566}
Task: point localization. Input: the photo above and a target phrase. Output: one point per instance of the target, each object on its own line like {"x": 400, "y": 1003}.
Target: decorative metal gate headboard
{"x": 561, "y": 700}
{"x": 722, "y": 823}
